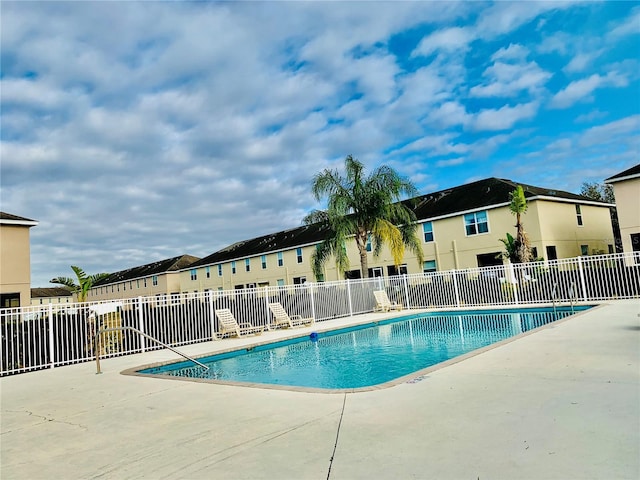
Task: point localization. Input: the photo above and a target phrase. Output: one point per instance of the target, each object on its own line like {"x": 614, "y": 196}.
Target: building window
{"x": 124, "y": 286}
{"x": 247, "y": 264}
{"x": 138, "y": 283}
{"x": 299, "y": 280}
{"x": 476, "y": 223}
{"x": 584, "y": 249}
{"x": 144, "y": 282}
{"x": 392, "y": 270}
{"x": 280, "y": 282}
{"x": 263, "y": 261}
{"x": 427, "y": 228}
{"x": 579, "y": 215}
{"x": 552, "y": 253}
{"x": 635, "y": 242}
{"x": 429, "y": 266}
{"x": 280, "y": 259}
{"x": 368, "y": 246}
{"x": 194, "y": 274}
{"x": 207, "y": 272}
{"x": 154, "y": 280}
{"x": 220, "y": 270}
{"x": 250, "y": 285}
{"x": 233, "y": 267}
{"x": 376, "y": 272}
{"x": 299, "y": 254}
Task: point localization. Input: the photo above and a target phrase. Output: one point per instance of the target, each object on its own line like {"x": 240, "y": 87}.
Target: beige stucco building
{"x": 160, "y": 279}
{"x": 15, "y": 260}
{"x": 626, "y": 188}
{"x": 460, "y": 227}
{"x": 51, "y": 296}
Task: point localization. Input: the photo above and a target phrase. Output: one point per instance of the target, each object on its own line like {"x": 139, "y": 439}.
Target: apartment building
{"x": 51, "y": 296}
{"x": 15, "y": 260}
{"x": 160, "y": 279}
{"x": 626, "y": 188}
{"x": 460, "y": 227}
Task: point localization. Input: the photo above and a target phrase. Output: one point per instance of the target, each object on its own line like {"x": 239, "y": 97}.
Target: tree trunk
{"x": 361, "y": 242}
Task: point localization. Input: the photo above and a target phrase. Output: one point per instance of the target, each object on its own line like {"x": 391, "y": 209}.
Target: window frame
{"x": 430, "y": 270}
{"x": 426, "y": 232}
{"x": 476, "y": 224}
{"x": 579, "y": 217}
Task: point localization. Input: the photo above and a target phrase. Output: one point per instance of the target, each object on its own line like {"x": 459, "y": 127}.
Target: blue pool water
{"x": 369, "y": 354}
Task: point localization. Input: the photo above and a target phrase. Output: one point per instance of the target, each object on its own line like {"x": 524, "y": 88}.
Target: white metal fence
{"x": 47, "y": 336}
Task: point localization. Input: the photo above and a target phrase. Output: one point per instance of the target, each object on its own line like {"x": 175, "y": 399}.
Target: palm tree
{"x": 510, "y": 249}
{"x": 366, "y": 207}
{"x": 85, "y": 282}
{"x": 518, "y": 206}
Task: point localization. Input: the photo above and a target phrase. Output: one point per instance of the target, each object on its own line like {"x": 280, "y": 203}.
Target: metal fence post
{"x": 143, "y": 345}
{"x": 349, "y": 297}
{"x": 266, "y": 306}
{"x": 455, "y": 287}
{"x": 52, "y": 347}
{"x": 212, "y": 315}
{"x": 406, "y": 290}
{"x": 582, "y": 282}
{"x": 313, "y": 305}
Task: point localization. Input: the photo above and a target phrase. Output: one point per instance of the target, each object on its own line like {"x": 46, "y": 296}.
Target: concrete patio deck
{"x": 560, "y": 403}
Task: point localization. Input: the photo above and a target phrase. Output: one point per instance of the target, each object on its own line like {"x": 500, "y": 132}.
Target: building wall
{"x": 627, "y": 193}
{"x": 15, "y": 263}
{"x": 547, "y": 223}
{"x": 37, "y": 301}
{"x": 167, "y": 284}
{"x": 560, "y": 228}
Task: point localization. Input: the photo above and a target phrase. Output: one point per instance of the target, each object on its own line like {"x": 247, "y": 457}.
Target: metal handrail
{"x": 96, "y": 342}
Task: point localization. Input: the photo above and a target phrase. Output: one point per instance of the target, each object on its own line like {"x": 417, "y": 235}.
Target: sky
{"x": 139, "y": 131}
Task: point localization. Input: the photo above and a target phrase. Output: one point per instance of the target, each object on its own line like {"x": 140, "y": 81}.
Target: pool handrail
{"x": 96, "y": 342}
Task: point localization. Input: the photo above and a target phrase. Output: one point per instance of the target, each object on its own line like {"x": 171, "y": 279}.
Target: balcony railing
{"x": 48, "y": 336}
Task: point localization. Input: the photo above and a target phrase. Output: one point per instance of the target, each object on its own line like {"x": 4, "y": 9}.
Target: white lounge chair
{"x": 282, "y": 319}
{"x": 383, "y": 304}
{"x": 230, "y": 326}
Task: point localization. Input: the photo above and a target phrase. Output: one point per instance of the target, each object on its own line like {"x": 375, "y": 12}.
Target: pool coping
{"x": 412, "y": 377}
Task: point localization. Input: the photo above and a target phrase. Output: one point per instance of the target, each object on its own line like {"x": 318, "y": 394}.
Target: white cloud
{"x": 630, "y": 25}
{"x": 505, "y": 117}
{"x": 583, "y": 88}
{"x": 581, "y": 61}
{"x": 513, "y": 52}
{"x": 448, "y": 40}
{"x": 508, "y": 80}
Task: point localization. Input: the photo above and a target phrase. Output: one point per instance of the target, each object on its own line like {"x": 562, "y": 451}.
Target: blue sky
{"x": 138, "y": 131}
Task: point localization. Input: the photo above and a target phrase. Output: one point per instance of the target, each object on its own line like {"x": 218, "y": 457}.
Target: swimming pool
{"x": 365, "y": 355}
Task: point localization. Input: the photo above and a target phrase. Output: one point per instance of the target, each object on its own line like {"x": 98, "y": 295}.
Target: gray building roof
{"x": 50, "y": 292}
{"x": 632, "y": 172}
{"x": 9, "y": 219}
{"x": 168, "y": 265}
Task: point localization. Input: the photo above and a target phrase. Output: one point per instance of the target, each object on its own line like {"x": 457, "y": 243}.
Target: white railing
{"x": 38, "y": 337}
